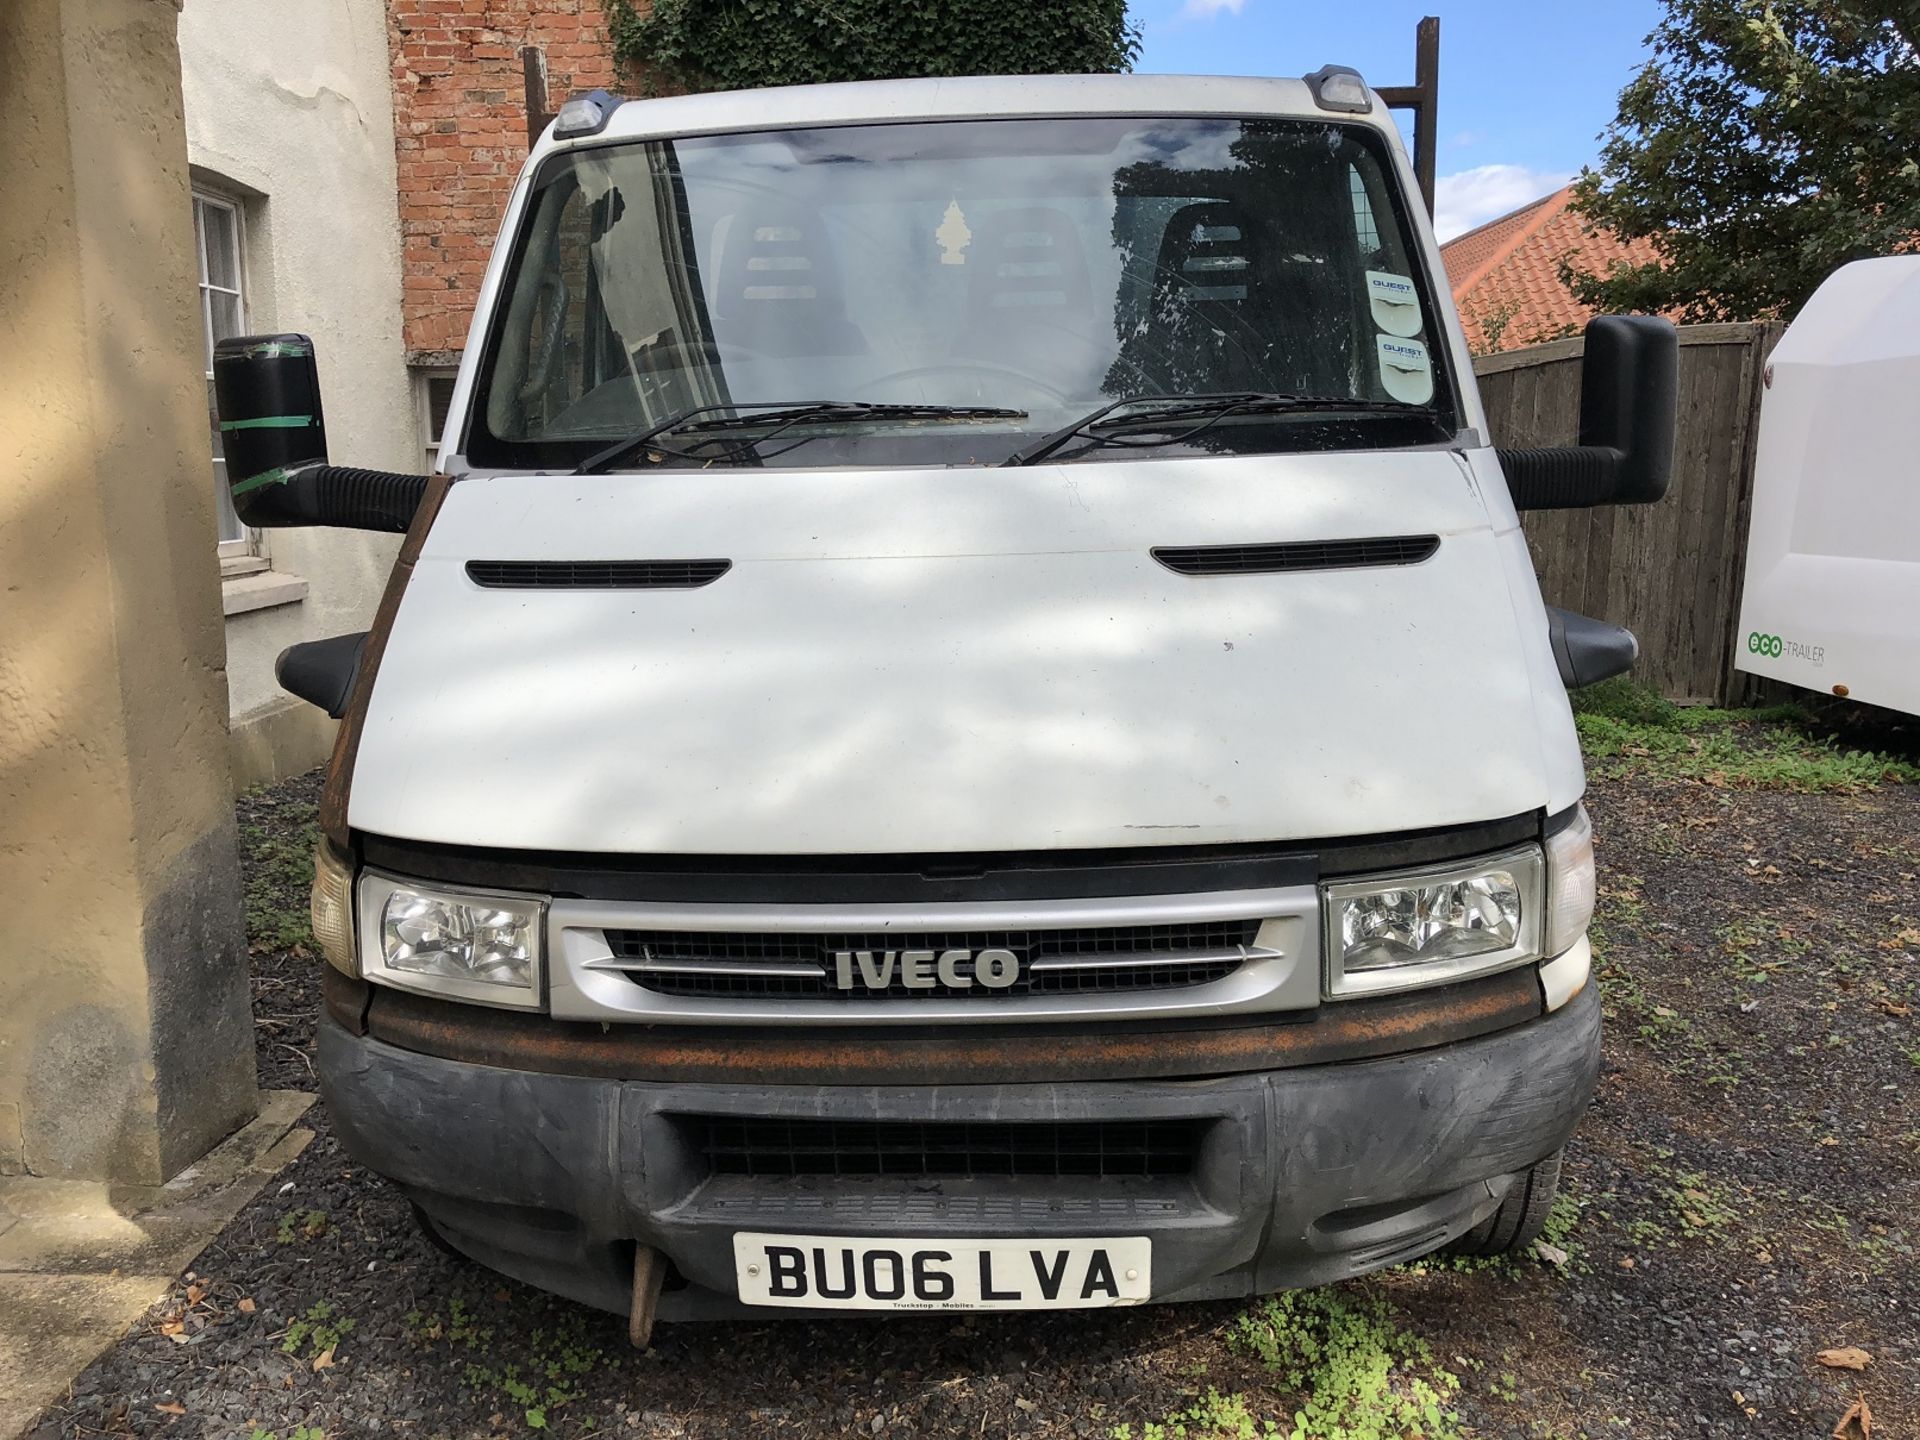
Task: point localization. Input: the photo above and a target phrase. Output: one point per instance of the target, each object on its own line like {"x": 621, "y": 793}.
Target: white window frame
{"x": 423, "y": 378}
{"x": 247, "y": 554}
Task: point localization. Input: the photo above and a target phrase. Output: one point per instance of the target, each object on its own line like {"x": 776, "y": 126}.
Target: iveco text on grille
{"x": 924, "y": 969}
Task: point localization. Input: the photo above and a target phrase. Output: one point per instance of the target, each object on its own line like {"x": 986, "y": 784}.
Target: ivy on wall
{"x": 745, "y": 44}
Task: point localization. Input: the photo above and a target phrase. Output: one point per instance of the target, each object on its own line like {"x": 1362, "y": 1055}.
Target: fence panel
{"x": 1668, "y": 572}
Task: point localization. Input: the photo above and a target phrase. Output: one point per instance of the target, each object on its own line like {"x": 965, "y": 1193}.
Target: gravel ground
{"x": 1743, "y": 1197}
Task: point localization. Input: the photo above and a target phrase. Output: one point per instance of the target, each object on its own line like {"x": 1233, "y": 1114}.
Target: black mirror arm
{"x": 1629, "y": 389}
{"x": 343, "y": 496}
{"x": 1572, "y": 477}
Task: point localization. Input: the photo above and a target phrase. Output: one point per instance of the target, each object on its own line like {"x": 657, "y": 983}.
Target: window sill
{"x": 232, "y": 567}
{"x": 260, "y": 590}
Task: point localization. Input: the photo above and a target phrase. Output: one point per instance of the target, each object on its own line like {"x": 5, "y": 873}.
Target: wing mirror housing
{"x": 1629, "y": 394}
{"x": 1587, "y": 650}
{"x": 267, "y": 391}
{"x": 322, "y": 672}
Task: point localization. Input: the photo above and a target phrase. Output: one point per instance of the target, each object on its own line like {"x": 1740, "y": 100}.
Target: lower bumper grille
{"x": 1094, "y": 1149}
{"x": 1091, "y": 960}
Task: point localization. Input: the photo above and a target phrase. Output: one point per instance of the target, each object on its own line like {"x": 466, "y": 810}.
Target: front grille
{"x": 1297, "y": 555}
{"x": 740, "y": 965}
{"x": 596, "y": 574}
{"x": 1089, "y": 1148}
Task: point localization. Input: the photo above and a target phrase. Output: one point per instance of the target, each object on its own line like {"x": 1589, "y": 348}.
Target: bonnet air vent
{"x": 1296, "y": 555}
{"x": 596, "y": 574}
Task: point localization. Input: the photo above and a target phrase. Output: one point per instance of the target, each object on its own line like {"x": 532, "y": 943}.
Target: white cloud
{"x": 1207, "y": 9}
{"x": 1469, "y": 198}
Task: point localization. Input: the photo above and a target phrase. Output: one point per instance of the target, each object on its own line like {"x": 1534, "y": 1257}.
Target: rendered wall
{"x": 126, "y": 1040}
{"x": 289, "y": 106}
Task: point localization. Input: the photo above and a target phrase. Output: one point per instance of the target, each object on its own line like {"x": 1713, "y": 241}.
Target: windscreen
{"x": 1046, "y": 267}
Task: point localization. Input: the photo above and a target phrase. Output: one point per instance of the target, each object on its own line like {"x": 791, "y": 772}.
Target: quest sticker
{"x": 1395, "y": 303}
{"x": 1405, "y": 369}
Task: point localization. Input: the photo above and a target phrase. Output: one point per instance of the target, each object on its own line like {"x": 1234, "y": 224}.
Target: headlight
{"x": 466, "y": 945}
{"x": 1433, "y": 926}
{"x": 1570, "y": 883}
{"x": 331, "y": 907}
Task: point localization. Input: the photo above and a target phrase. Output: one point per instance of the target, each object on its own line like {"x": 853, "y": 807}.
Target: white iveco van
{"x": 968, "y": 723}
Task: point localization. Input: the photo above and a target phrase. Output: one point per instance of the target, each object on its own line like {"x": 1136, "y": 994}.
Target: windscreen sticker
{"x": 1405, "y": 369}
{"x": 1395, "y": 303}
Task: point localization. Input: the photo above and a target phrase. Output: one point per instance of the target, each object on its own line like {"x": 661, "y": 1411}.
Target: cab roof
{"x": 879, "y": 101}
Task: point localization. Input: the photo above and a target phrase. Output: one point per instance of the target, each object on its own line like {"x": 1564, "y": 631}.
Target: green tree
{"x": 743, "y": 44}
{"x": 1765, "y": 143}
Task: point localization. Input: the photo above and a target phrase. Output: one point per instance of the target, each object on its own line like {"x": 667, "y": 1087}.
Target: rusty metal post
{"x": 649, "y": 1273}
{"x": 533, "y": 71}
{"x": 1423, "y": 98}
{"x": 1426, "y": 123}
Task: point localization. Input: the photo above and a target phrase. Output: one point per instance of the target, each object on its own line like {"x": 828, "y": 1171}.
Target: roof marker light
{"x": 1340, "y": 87}
{"x": 585, "y": 115}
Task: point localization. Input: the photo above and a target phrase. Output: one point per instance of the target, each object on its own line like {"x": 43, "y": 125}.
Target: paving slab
{"x": 80, "y": 1262}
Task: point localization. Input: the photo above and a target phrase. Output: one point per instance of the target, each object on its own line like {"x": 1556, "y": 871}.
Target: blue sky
{"x": 1525, "y": 85}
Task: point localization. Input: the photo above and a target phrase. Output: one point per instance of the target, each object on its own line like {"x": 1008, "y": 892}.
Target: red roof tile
{"x": 1506, "y": 274}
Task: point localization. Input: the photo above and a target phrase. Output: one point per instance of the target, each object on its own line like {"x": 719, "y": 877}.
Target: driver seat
{"x": 778, "y": 292}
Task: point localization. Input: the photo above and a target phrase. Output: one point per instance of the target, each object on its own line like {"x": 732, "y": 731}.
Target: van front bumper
{"x": 1303, "y": 1176}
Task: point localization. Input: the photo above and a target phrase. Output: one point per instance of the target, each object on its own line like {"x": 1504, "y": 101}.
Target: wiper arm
{"x": 1208, "y": 409}
{"x": 780, "y": 415}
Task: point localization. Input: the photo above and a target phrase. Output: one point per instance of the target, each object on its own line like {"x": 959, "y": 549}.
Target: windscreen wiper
{"x": 779, "y": 415}
{"x": 1208, "y": 410}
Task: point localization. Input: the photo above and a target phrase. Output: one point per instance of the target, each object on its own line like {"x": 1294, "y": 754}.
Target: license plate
{"x": 835, "y": 1272}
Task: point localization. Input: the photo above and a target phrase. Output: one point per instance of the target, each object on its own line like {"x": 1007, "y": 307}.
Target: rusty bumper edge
{"x": 1349, "y": 1030}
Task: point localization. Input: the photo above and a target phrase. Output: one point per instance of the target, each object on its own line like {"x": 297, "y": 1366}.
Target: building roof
{"x": 1506, "y": 274}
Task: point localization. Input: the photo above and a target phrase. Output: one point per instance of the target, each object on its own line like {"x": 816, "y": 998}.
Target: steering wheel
{"x": 711, "y": 352}
{"x": 975, "y": 367}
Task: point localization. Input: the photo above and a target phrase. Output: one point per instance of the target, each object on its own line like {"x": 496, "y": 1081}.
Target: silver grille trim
{"x": 1241, "y": 953}
{"x": 706, "y": 967}
{"x": 1280, "y": 970}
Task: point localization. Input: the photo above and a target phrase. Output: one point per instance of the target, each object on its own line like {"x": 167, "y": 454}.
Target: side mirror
{"x": 1586, "y": 650}
{"x": 322, "y": 672}
{"x": 1629, "y": 394}
{"x": 267, "y": 391}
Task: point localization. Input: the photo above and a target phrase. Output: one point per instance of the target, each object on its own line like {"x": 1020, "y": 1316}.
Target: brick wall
{"x": 460, "y": 123}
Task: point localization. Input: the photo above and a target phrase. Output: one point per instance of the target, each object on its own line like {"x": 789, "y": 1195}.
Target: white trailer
{"x": 1831, "y": 599}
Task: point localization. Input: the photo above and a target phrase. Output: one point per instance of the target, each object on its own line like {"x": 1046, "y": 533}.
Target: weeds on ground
{"x": 1694, "y": 1206}
{"x": 301, "y": 1224}
{"x": 1703, "y": 1209}
{"x": 299, "y": 1432}
{"x": 549, "y": 1378}
{"x": 1771, "y": 748}
{"x": 1214, "y": 1416}
{"x": 282, "y": 868}
{"x": 319, "y": 1331}
{"x": 1344, "y": 1371}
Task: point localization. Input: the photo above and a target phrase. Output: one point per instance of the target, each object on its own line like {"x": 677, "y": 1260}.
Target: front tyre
{"x": 1520, "y": 1218}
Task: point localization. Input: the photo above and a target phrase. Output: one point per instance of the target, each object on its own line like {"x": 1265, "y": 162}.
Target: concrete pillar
{"x": 126, "y": 1041}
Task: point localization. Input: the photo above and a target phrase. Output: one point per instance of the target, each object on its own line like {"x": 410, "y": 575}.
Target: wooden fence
{"x": 1669, "y": 572}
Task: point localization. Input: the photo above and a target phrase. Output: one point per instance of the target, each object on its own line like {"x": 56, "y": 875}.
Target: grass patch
{"x": 1625, "y": 726}
{"x": 1342, "y": 1367}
